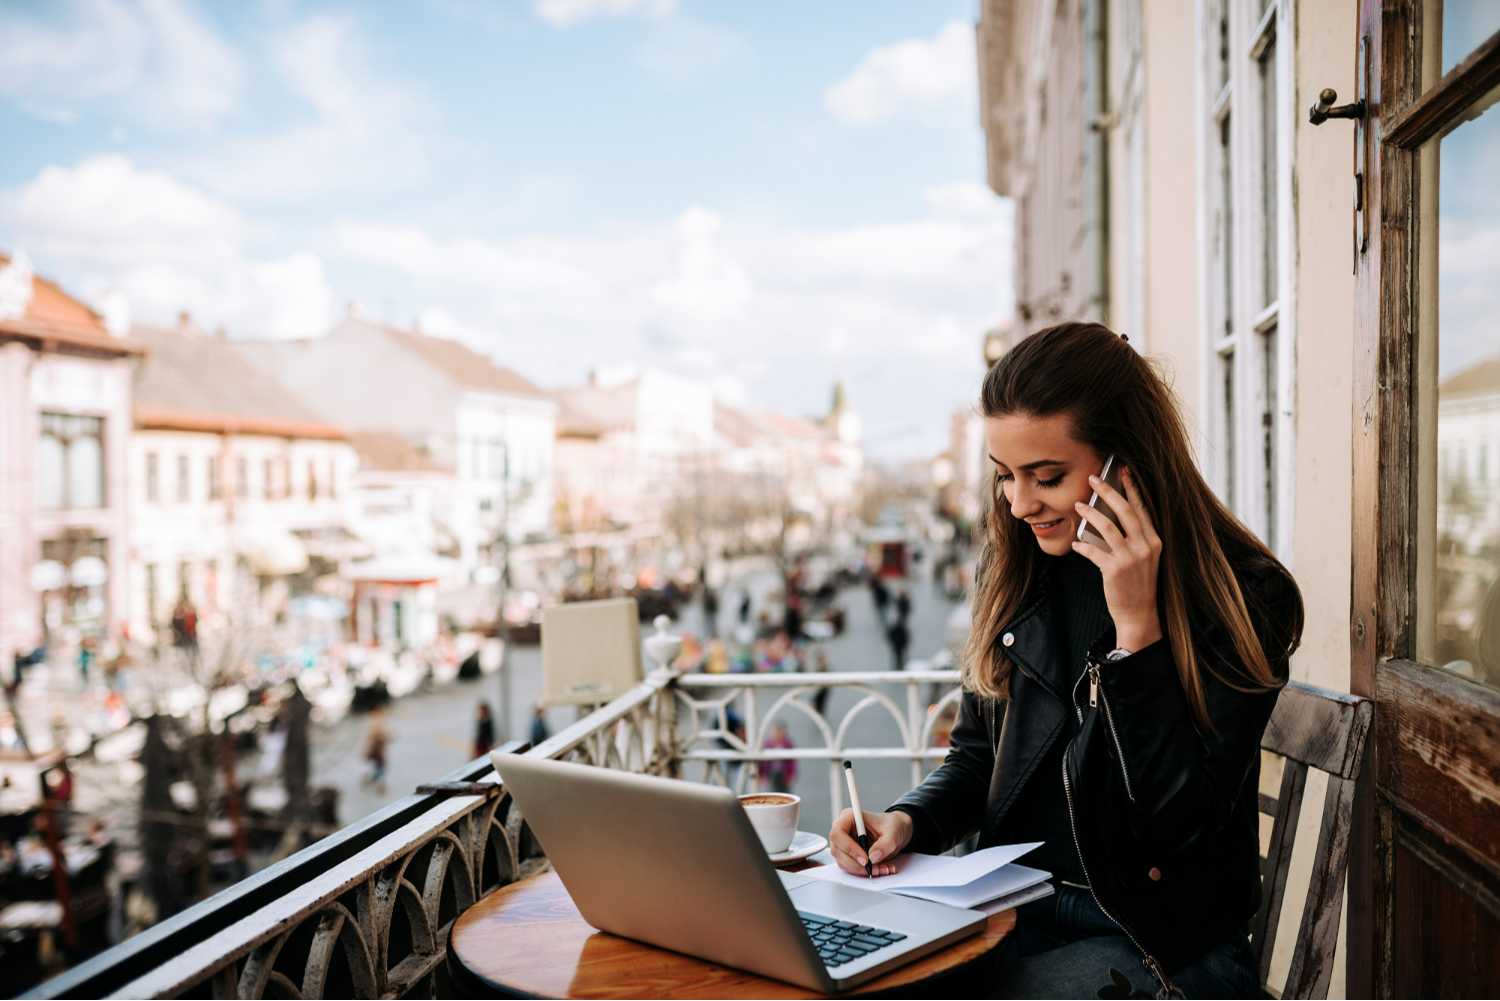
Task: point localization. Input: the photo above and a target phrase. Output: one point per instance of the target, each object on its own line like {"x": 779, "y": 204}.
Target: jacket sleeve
{"x": 1184, "y": 781}
{"x": 949, "y": 804}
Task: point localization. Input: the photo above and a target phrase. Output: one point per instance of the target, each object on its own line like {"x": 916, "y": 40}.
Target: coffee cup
{"x": 774, "y": 817}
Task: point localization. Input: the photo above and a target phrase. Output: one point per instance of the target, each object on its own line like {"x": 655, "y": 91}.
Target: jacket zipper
{"x": 1168, "y": 989}
{"x": 1096, "y": 695}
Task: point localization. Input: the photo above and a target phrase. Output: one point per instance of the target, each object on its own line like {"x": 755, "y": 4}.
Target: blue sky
{"x": 766, "y": 196}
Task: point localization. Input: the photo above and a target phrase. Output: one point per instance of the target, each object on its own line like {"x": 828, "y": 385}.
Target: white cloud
{"x": 363, "y": 132}
{"x": 142, "y": 242}
{"x": 566, "y": 13}
{"x": 156, "y": 61}
{"x": 681, "y": 49}
{"x": 923, "y": 76}
{"x": 771, "y": 312}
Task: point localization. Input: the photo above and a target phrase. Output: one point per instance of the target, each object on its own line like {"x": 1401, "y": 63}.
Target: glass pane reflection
{"x": 1466, "y": 24}
{"x": 1466, "y": 635}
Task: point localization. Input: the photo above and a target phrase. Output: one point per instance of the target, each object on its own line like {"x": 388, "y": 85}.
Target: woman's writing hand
{"x": 891, "y": 832}
{"x": 1129, "y": 566}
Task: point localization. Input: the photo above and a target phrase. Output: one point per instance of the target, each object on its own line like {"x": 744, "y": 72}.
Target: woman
{"x": 1114, "y": 698}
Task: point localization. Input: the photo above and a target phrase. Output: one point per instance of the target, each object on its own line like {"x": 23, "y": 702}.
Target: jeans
{"x": 1063, "y": 946}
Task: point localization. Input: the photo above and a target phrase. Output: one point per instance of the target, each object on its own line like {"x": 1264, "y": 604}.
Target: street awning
{"x": 402, "y": 568}
{"x": 333, "y": 543}
{"x": 271, "y": 551}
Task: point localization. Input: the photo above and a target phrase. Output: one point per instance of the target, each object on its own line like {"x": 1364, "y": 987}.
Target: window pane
{"x": 1467, "y": 23}
{"x": 1227, "y": 429}
{"x": 1268, "y": 173}
{"x": 86, "y": 464}
{"x": 1465, "y": 636}
{"x": 1268, "y": 433}
{"x": 1226, "y": 228}
{"x": 184, "y": 480}
{"x": 1221, "y": 56}
{"x": 153, "y": 476}
{"x": 51, "y": 476}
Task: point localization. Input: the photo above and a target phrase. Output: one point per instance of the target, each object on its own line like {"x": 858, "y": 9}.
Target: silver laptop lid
{"x": 663, "y": 861}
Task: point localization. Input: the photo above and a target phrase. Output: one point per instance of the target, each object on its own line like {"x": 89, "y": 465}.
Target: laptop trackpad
{"x": 834, "y": 900}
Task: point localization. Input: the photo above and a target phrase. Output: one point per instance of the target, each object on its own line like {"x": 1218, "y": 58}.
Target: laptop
{"x": 677, "y": 864}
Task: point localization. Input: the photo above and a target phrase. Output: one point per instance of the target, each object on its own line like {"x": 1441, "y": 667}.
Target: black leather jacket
{"x": 1164, "y": 814}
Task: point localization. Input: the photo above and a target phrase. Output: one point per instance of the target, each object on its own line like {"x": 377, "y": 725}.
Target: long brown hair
{"x": 1119, "y": 405}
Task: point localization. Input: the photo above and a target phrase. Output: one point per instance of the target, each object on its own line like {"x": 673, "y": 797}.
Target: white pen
{"x": 859, "y": 814}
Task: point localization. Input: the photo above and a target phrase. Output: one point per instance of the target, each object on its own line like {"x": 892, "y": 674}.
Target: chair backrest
{"x": 1310, "y": 728}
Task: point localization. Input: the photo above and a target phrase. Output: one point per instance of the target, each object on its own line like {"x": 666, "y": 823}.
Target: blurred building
{"x": 65, "y": 400}
{"x": 403, "y": 504}
{"x": 627, "y": 448}
{"x": 240, "y": 493}
{"x": 1153, "y": 151}
{"x": 1319, "y": 292}
{"x": 1466, "y": 634}
{"x": 491, "y": 426}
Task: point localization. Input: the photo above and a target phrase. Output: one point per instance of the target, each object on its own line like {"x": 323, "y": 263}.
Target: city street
{"x": 432, "y": 732}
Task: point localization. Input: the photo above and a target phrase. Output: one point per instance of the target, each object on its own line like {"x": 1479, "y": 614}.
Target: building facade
{"x": 65, "y": 403}
{"x": 1317, "y": 290}
{"x": 491, "y": 426}
{"x": 240, "y": 495}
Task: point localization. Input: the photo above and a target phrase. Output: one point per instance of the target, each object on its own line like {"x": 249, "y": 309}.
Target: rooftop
{"x": 462, "y": 364}
{"x": 51, "y": 319}
{"x": 1479, "y": 379}
{"x": 193, "y": 381}
{"x": 388, "y": 452}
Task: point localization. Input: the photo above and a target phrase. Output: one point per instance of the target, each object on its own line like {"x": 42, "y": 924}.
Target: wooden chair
{"x": 1310, "y": 728}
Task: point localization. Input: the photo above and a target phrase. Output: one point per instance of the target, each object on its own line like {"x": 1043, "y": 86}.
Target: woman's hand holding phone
{"x": 1129, "y": 565}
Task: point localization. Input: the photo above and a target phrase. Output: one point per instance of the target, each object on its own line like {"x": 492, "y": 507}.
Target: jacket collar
{"x": 1028, "y": 639}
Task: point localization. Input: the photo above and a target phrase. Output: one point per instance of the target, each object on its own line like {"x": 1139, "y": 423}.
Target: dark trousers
{"x": 1064, "y": 946}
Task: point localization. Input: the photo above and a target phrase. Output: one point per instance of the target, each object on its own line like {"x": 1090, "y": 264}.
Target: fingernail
{"x": 876, "y": 856}
{"x": 861, "y": 861}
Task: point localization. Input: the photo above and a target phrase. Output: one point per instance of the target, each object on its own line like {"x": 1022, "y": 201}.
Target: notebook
{"x": 979, "y": 879}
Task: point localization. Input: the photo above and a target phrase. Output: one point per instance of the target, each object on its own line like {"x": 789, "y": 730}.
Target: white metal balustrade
{"x": 366, "y": 911}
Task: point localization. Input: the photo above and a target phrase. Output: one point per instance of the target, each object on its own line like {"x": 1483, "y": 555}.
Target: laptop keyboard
{"x": 840, "y": 942}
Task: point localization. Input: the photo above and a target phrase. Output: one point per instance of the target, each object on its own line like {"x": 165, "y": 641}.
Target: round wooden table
{"x": 527, "y": 939}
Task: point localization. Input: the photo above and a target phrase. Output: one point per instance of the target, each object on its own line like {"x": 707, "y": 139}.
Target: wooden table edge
{"x": 732, "y": 982}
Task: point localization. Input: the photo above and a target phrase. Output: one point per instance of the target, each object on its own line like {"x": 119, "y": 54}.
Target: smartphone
{"x": 1087, "y": 533}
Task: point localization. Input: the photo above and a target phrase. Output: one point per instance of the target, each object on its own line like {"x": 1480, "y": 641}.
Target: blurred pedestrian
{"x": 484, "y": 730}
{"x": 185, "y": 628}
{"x": 710, "y": 611}
{"x": 539, "y": 731}
{"x": 903, "y": 605}
{"x": 880, "y": 594}
{"x": 899, "y": 638}
{"x": 792, "y": 623}
{"x": 375, "y": 747}
{"x": 85, "y": 658}
{"x": 820, "y": 697}
{"x": 745, "y": 607}
{"x": 782, "y": 773}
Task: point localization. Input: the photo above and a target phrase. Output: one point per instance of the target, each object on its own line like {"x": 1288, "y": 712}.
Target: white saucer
{"x": 804, "y": 844}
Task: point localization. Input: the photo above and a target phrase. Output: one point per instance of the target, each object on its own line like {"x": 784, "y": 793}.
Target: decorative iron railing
{"x": 365, "y": 912}
{"x": 707, "y": 699}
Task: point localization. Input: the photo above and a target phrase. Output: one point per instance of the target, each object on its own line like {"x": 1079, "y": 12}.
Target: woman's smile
{"x": 1047, "y": 527}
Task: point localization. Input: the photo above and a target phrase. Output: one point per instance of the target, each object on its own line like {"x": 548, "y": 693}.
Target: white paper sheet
{"x": 1026, "y": 896}
{"x": 1003, "y": 882}
{"x": 916, "y": 871}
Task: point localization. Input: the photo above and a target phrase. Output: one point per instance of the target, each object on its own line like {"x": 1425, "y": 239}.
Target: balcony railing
{"x": 366, "y": 912}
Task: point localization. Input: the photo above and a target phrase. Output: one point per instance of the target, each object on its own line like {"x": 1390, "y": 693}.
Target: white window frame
{"x": 1251, "y": 24}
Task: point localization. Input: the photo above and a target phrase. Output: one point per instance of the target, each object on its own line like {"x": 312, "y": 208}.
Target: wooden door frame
{"x": 1397, "y": 795}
